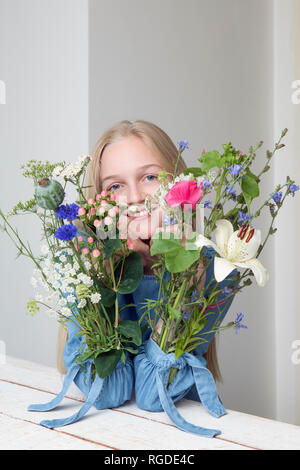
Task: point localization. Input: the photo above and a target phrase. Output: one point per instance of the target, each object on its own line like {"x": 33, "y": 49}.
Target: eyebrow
{"x": 144, "y": 167}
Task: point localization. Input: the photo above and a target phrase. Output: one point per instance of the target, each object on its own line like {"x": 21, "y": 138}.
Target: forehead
{"x": 127, "y": 156}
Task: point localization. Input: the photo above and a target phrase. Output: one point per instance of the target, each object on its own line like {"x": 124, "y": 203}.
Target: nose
{"x": 136, "y": 194}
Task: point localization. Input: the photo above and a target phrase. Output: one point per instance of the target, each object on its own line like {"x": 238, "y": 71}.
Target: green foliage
{"x": 132, "y": 273}
{"x": 131, "y": 330}
{"x": 106, "y": 362}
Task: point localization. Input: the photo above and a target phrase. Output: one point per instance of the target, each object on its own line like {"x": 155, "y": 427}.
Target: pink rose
{"x": 91, "y": 201}
{"x": 184, "y": 192}
{"x": 104, "y": 193}
{"x": 112, "y": 212}
{"x": 85, "y": 251}
{"x": 108, "y": 220}
{"x": 97, "y": 222}
{"x": 98, "y": 197}
{"x": 90, "y": 240}
{"x": 93, "y": 211}
{"x": 96, "y": 253}
{"x": 81, "y": 211}
{"x": 80, "y": 238}
{"x": 130, "y": 244}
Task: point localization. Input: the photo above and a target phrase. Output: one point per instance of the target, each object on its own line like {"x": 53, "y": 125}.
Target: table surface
{"x": 124, "y": 428}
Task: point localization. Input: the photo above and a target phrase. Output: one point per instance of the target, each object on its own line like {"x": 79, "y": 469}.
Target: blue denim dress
{"x": 152, "y": 366}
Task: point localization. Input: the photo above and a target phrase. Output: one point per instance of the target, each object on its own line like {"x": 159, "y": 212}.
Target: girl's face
{"x": 130, "y": 169}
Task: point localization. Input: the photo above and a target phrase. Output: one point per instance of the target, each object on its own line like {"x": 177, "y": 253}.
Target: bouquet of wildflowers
{"x": 81, "y": 272}
{"x": 211, "y": 201}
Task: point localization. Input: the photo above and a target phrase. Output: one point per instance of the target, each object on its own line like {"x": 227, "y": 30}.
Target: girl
{"x": 127, "y": 159}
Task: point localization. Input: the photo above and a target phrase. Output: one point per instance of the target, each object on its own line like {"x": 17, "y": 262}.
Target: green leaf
{"x": 178, "y": 350}
{"x": 249, "y": 186}
{"x": 162, "y": 245}
{"x": 132, "y": 330}
{"x": 181, "y": 259}
{"x": 132, "y": 273}
{"x": 111, "y": 245}
{"x": 196, "y": 171}
{"x": 210, "y": 160}
{"x": 131, "y": 350}
{"x": 106, "y": 362}
{"x": 174, "y": 312}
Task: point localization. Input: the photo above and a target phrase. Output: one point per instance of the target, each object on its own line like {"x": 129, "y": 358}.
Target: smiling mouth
{"x": 141, "y": 214}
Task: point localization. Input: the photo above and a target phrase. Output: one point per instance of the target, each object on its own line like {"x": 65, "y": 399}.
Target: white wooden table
{"x": 124, "y": 428}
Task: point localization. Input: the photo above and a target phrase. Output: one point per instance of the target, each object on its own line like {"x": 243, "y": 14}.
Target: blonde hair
{"x": 156, "y": 139}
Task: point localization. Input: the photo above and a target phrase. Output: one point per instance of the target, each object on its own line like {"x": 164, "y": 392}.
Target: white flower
{"x": 95, "y": 298}
{"x": 66, "y": 311}
{"x": 73, "y": 169}
{"x": 44, "y": 250}
{"x": 63, "y": 258}
{"x": 87, "y": 265}
{"x": 82, "y": 303}
{"x": 57, "y": 171}
{"x": 236, "y": 249}
{"x": 71, "y": 299}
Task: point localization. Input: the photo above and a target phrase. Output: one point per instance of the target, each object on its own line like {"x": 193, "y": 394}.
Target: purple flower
{"x": 235, "y": 170}
{"x": 226, "y": 290}
{"x": 207, "y": 204}
{"x": 183, "y": 144}
{"x": 187, "y": 315}
{"x": 244, "y": 217}
{"x": 276, "y": 196}
{"x": 206, "y": 184}
{"x": 66, "y": 232}
{"x": 229, "y": 190}
{"x": 238, "y": 324}
{"x": 195, "y": 296}
{"x": 293, "y": 188}
{"x": 68, "y": 212}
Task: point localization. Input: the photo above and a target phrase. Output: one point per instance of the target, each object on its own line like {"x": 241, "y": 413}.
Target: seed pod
{"x": 49, "y": 194}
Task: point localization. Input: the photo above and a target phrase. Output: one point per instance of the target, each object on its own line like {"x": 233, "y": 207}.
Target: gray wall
{"x": 44, "y": 62}
{"x": 201, "y": 70}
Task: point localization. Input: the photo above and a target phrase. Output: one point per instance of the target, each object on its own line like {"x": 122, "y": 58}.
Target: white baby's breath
{"x": 82, "y": 303}
{"x": 95, "y": 298}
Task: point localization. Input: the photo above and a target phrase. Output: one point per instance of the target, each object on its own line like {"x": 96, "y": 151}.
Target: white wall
{"x": 201, "y": 70}
{"x": 44, "y": 64}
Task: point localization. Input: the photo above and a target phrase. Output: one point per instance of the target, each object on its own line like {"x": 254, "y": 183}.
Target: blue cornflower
{"x": 206, "y": 184}
{"x": 235, "y": 170}
{"x": 229, "y": 190}
{"x": 276, "y": 196}
{"x": 68, "y": 211}
{"x": 183, "y": 144}
{"x": 226, "y": 290}
{"x": 244, "y": 217}
{"x": 195, "y": 296}
{"x": 207, "y": 204}
{"x": 238, "y": 324}
{"x": 66, "y": 232}
{"x": 293, "y": 188}
{"x": 187, "y": 315}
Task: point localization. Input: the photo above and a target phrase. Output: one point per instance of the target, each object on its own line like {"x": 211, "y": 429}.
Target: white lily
{"x": 236, "y": 249}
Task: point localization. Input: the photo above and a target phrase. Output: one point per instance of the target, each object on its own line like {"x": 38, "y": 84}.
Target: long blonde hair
{"x": 156, "y": 139}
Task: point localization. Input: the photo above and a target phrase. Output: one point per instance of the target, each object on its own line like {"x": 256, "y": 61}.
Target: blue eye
{"x": 112, "y": 188}
{"x": 151, "y": 176}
